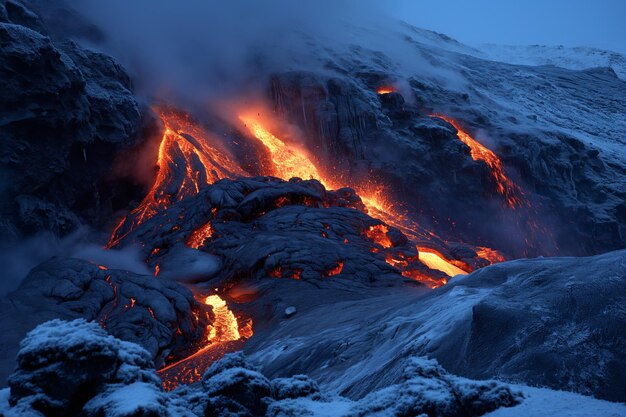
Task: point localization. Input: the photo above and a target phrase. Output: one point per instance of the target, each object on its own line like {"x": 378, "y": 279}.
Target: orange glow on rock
{"x": 185, "y": 147}
{"x": 224, "y": 328}
{"x": 336, "y": 270}
{"x": 491, "y": 255}
{"x": 289, "y": 162}
{"x": 378, "y": 234}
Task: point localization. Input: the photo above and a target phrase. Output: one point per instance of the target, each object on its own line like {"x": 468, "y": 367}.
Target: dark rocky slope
{"x": 66, "y": 113}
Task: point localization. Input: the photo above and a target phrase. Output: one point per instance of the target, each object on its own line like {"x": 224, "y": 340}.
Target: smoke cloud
{"x": 17, "y": 260}
{"x": 199, "y": 48}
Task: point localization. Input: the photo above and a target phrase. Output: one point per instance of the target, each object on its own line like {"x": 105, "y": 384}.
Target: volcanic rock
{"x": 427, "y": 390}
{"x": 233, "y": 384}
{"x": 265, "y": 227}
{"x": 156, "y": 314}
{"x": 550, "y": 322}
{"x": 564, "y": 164}
{"x": 104, "y": 376}
{"x": 66, "y": 113}
{"x": 61, "y": 365}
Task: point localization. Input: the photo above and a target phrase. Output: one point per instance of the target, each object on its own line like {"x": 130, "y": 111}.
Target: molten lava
{"x": 378, "y": 234}
{"x": 189, "y": 158}
{"x": 386, "y": 89}
{"x": 291, "y": 162}
{"x": 511, "y": 192}
{"x": 224, "y": 335}
{"x": 198, "y": 236}
{"x": 435, "y": 260}
{"x": 288, "y": 161}
{"x": 225, "y": 328}
{"x": 491, "y": 255}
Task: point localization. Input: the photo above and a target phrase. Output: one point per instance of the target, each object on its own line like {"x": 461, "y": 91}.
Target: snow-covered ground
{"x": 545, "y": 402}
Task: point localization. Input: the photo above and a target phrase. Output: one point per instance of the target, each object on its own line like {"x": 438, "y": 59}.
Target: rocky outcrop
{"x": 66, "y": 113}
{"x": 76, "y": 369}
{"x": 265, "y": 227}
{"x": 160, "y": 315}
{"x": 564, "y": 163}
{"x": 63, "y": 365}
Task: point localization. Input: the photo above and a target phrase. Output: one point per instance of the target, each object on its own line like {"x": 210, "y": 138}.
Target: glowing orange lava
{"x": 198, "y": 236}
{"x": 288, "y": 161}
{"x": 291, "y": 162}
{"x": 378, "y": 234}
{"x": 385, "y": 89}
{"x": 189, "y": 158}
{"x": 435, "y": 260}
{"x": 491, "y": 255}
{"x": 225, "y": 328}
{"x": 336, "y": 270}
{"x": 511, "y": 193}
{"x": 224, "y": 335}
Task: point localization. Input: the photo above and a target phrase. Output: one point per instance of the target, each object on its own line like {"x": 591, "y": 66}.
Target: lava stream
{"x": 224, "y": 335}
{"x": 290, "y": 162}
{"x": 434, "y": 260}
{"x": 187, "y": 161}
{"x": 511, "y": 192}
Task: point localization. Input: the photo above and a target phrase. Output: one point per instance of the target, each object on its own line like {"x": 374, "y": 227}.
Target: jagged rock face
{"x": 66, "y": 112}
{"x": 557, "y": 324}
{"x": 365, "y": 135}
{"x": 347, "y": 125}
{"x": 159, "y": 315}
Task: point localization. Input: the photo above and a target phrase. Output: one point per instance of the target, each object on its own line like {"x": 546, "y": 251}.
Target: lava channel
{"x": 225, "y": 335}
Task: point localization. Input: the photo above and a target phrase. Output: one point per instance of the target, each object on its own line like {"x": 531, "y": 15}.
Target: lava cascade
{"x": 511, "y": 192}
{"x": 188, "y": 159}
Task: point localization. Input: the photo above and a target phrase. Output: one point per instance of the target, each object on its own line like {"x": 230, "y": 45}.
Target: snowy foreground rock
{"x": 76, "y": 369}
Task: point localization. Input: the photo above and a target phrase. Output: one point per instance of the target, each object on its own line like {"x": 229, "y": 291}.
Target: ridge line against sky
{"x": 598, "y": 23}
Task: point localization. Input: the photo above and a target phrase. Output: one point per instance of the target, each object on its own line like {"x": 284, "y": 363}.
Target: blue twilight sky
{"x": 597, "y": 23}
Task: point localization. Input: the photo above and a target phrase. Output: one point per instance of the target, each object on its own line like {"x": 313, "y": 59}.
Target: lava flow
{"x": 224, "y": 335}
{"x": 511, "y": 193}
{"x": 188, "y": 161}
{"x": 290, "y": 162}
{"x": 184, "y": 144}
{"x": 435, "y": 260}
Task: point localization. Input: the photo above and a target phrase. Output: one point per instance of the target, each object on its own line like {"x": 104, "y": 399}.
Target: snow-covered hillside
{"x": 576, "y": 58}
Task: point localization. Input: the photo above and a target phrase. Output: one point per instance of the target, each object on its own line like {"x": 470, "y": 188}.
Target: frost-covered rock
{"x": 427, "y": 390}
{"x": 234, "y": 386}
{"x": 138, "y": 399}
{"x": 63, "y": 365}
{"x": 297, "y": 386}
{"x": 430, "y": 390}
